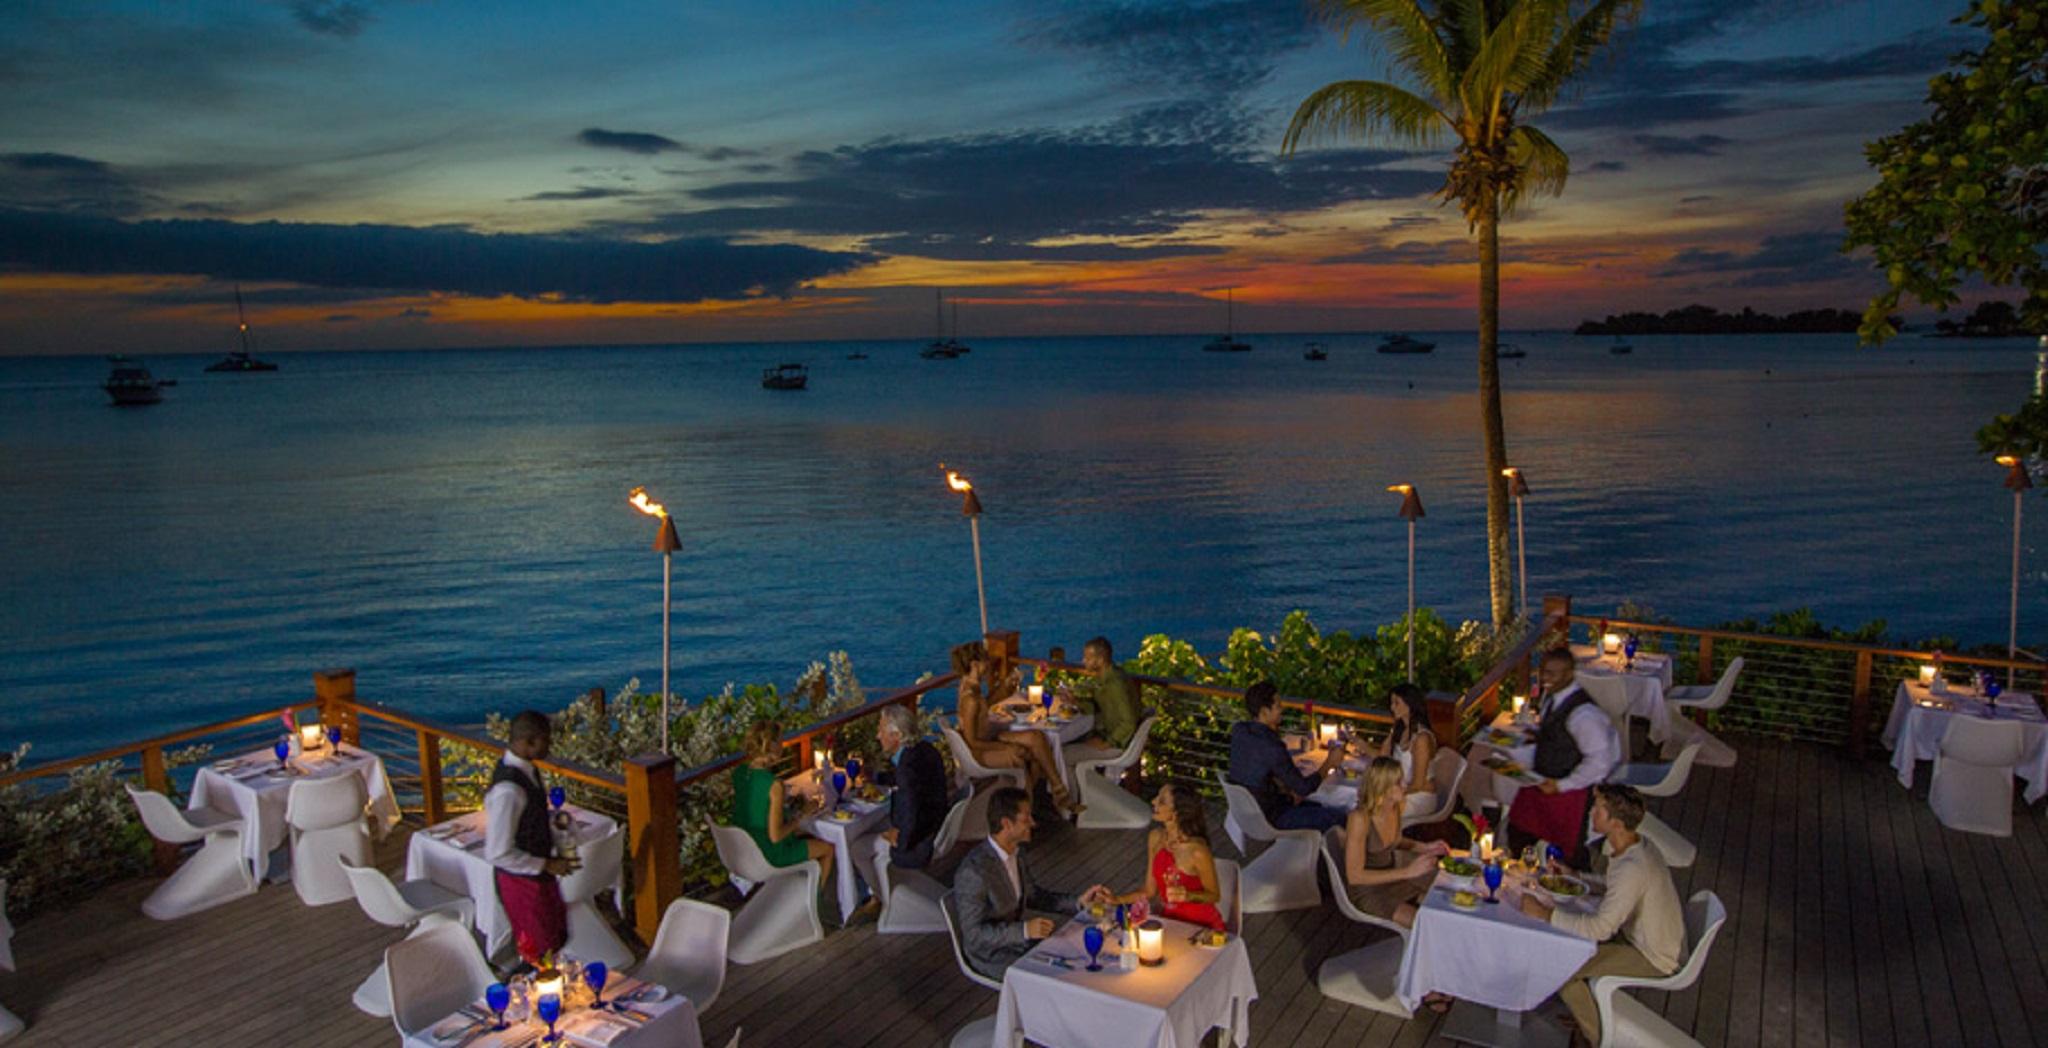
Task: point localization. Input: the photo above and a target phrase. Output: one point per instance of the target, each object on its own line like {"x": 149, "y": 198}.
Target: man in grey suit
{"x": 994, "y": 890}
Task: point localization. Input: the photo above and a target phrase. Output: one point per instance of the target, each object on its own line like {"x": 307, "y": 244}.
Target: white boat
{"x": 1509, "y": 351}
{"x": 130, "y": 384}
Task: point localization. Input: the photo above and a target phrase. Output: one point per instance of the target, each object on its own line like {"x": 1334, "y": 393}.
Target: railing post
{"x": 156, "y": 777}
{"x": 1706, "y": 670}
{"x": 1859, "y": 706}
{"x": 596, "y": 697}
{"x": 430, "y": 777}
{"x": 1559, "y": 607}
{"x": 651, "y": 835}
{"x": 336, "y": 692}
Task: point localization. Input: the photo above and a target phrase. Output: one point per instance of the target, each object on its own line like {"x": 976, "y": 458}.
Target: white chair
{"x": 9, "y": 1023}
{"x": 1678, "y": 852}
{"x": 415, "y": 905}
{"x": 910, "y": 898}
{"x": 1446, "y": 776}
{"x": 1368, "y": 976}
{"x": 1660, "y": 780}
{"x": 1110, "y": 806}
{"x": 1972, "y": 787}
{"x": 783, "y": 914}
{"x": 215, "y": 875}
{"x": 688, "y": 955}
{"x": 590, "y": 937}
{"x": 1707, "y": 696}
{"x": 1283, "y": 877}
{"x": 1229, "y": 885}
{"x": 975, "y": 827}
{"x": 1628, "y": 1023}
{"x": 433, "y": 975}
{"x": 326, "y": 820}
{"x": 981, "y": 1032}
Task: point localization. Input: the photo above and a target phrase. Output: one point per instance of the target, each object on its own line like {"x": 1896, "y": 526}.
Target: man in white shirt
{"x": 1576, "y": 748}
{"x": 521, "y": 847}
{"x": 1641, "y": 904}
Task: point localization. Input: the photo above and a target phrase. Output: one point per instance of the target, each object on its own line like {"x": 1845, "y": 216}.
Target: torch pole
{"x": 981, "y": 594}
{"x": 1521, "y": 559}
{"x": 1411, "y": 602}
{"x": 664, "y": 650}
{"x": 2012, "y": 637}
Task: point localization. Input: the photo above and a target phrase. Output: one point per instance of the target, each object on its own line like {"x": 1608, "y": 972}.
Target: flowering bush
{"x": 58, "y": 845}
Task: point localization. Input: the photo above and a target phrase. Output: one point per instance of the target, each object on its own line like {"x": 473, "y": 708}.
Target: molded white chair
{"x": 910, "y": 898}
{"x": 1678, "y": 852}
{"x": 417, "y": 905}
{"x": 1368, "y": 976}
{"x": 783, "y": 914}
{"x": 326, "y": 820}
{"x": 1707, "y": 696}
{"x": 975, "y": 827}
{"x": 215, "y": 875}
{"x": 688, "y": 955}
{"x": 1446, "y": 775}
{"x": 9, "y": 1023}
{"x": 1229, "y": 885}
{"x": 433, "y": 975}
{"x": 1110, "y": 806}
{"x": 1283, "y": 877}
{"x": 981, "y": 1032}
{"x": 1972, "y": 787}
{"x": 1660, "y": 780}
{"x": 590, "y": 937}
{"x": 1628, "y": 1023}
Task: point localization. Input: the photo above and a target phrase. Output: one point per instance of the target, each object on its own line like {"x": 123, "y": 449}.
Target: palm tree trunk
{"x": 1499, "y": 581}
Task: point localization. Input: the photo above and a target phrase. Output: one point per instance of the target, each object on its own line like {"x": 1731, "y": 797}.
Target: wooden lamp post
{"x": 970, "y": 507}
{"x": 1518, "y": 486}
{"x": 2017, "y": 481}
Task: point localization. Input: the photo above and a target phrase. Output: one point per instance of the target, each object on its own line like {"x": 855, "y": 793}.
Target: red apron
{"x": 1559, "y": 818}
{"x": 540, "y": 923}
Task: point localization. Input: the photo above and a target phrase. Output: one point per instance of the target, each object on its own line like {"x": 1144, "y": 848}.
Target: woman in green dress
{"x": 757, "y": 805}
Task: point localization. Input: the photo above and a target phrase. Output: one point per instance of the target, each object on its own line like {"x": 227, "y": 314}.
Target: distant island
{"x": 1991, "y": 319}
{"x": 1706, "y": 320}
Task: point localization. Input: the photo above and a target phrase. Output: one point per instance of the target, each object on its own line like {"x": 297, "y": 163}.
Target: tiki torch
{"x": 666, "y": 543}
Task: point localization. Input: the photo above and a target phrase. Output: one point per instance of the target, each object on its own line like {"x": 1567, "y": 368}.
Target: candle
{"x": 1610, "y": 643}
{"x": 547, "y": 981}
{"x": 1484, "y": 848}
{"x": 1926, "y": 674}
{"x": 1517, "y": 702}
{"x": 1151, "y": 943}
{"x": 309, "y": 738}
{"x": 823, "y": 757}
{"x": 1329, "y": 735}
{"x": 1036, "y": 693}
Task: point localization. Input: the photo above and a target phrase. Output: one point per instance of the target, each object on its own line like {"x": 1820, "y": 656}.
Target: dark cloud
{"x": 62, "y": 182}
{"x": 413, "y": 313}
{"x": 1408, "y": 253}
{"x": 1697, "y": 198}
{"x": 339, "y": 318}
{"x": 1601, "y": 166}
{"x": 1675, "y": 145}
{"x": 641, "y": 142}
{"x": 585, "y": 269}
{"x": 342, "y": 18}
{"x": 1215, "y": 48}
{"x": 582, "y": 193}
{"x": 954, "y": 249}
{"x": 721, "y": 154}
{"x": 1647, "y": 108}
{"x": 1779, "y": 260}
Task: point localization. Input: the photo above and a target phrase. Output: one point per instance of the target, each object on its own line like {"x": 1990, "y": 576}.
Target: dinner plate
{"x": 1583, "y": 891}
{"x": 842, "y": 815}
{"x": 1466, "y": 906}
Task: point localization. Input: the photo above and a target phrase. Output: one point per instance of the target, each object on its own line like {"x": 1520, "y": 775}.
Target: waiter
{"x": 521, "y": 847}
{"x": 1576, "y": 749}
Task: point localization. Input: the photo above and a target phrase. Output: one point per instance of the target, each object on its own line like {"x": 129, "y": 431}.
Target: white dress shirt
{"x": 1593, "y": 731}
{"x": 503, "y": 805}
{"x": 1009, "y": 867}
{"x": 1641, "y": 903}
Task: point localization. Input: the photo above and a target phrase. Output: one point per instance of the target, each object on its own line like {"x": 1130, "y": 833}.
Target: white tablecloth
{"x": 867, "y": 817}
{"x": 457, "y": 863}
{"x": 1913, "y": 731}
{"x": 248, "y": 786}
{"x": 1073, "y": 730}
{"x": 674, "y": 1025}
{"x": 1169, "y": 1006}
{"x": 1494, "y": 955}
{"x": 1638, "y": 691}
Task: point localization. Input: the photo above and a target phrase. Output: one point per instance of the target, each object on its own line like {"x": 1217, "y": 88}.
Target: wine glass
{"x": 557, "y": 797}
{"x": 853, "y": 769}
{"x": 1092, "y": 939}
{"x": 838, "y": 784}
{"x": 334, "y": 738}
{"x": 1047, "y": 699}
{"x": 550, "y": 1009}
{"x": 283, "y": 749}
{"x": 1493, "y": 876}
{"x": 595, "y": 973}
{"x": 499, "y": 997}
{"x": 1628, "y": 651}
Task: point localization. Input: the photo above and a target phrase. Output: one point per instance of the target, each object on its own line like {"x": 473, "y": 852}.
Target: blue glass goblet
{"x": 1628, "y": 649}
{"x": 1553, "y": 853}
{"x": 1493, "y": 876}
{"x": 838, "y": 784}
{"x": 595, "y": 973}
{"x": 1992, "y": 689}
{"x": 853, "y": 769}
{"x": 283, "y": 749}
{"x": 334, "y": 738}
{"x": 550, "y": 1009}
{"x": 557, "y": 797}
{"x": 498, "y": 997}
{"x": 1092, "y": 939}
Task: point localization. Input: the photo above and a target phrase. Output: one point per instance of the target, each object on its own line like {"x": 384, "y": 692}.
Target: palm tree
{"x": 1482, "y": 68}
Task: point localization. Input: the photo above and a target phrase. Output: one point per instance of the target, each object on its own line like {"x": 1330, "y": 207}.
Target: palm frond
{"x": 1574, "y": 49}
{"x": 1544, "y": 166}
{"x": 1465, "y": 24}
{"x": 1406, "y": 31}
{"x": 1517, "y": 42}
{"x": 1367, "y": 107}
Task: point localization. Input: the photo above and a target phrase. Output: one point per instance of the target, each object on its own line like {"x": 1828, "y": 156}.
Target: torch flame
{"x": 1401, "y": 489}
{"x": 2008, "y": 460}
{"x": 1509, "y": 472}
{"x": 646, "y": 505}
{"x": 955, "y": 481}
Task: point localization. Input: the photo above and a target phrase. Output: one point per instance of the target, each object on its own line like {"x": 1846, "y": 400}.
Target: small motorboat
{"x": 785, "y": 376}
{"x": 1509, "y": 351}
{"x": 130, "y": 384}
{"x": 1620, "y": 346}
{"x": 1314, "y": 351}
{"x": 1404, "y": 344}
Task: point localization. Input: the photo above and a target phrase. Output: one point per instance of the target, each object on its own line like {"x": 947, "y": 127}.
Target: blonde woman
{"x": 1386, "y": 874}
{"x": 1027, "y": 750}
{"x": 758, "y": 800}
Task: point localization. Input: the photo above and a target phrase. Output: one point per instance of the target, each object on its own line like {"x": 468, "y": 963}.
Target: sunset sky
{"x": 441, "y": 173}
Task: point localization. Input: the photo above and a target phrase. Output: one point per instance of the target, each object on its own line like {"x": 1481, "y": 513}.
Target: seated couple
{"x": 983, "y": 683}
{"x": 1260, "y": 763}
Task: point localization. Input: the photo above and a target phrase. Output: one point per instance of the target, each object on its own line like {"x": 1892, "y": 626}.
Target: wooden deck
{"x": 1854, "y": 919}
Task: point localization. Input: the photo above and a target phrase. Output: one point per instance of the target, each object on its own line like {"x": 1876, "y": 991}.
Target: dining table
{"x": 450, "y": 853}
{"x": 1050, "y": 996}
{"x": 1498, "y": 962}
{"x": 1921, "y": 713}
{"x": 1017, "y": 714}
{"x": 840, "y": 821}
{"x": 637, "y": 1015}
{"x": 1627, "y": 687}
{"x": 256, "y": 785}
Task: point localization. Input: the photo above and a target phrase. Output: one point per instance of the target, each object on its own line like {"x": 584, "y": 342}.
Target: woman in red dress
{"x": 1179, "y": 867}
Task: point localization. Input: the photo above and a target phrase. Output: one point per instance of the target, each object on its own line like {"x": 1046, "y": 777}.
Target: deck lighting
{"x": 309, "y": 738}
{"x": 2017, "y": 481}
{"x": 1411, "y": 511}
{"x": 666, "y": 542}
{"x": 970, "y": 507}
{"x": 1518, "y": 486}
{"x": 1610, "y": 642}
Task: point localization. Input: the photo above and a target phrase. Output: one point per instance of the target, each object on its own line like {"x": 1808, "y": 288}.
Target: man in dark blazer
{"x": 918, "y": 806}
{"x": 995, "y": 891}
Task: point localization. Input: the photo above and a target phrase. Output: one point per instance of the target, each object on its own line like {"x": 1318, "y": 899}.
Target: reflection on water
{"x": 454, "y": 524}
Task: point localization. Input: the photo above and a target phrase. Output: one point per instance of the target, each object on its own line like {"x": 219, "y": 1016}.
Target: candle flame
{"x": 646, "y": 505}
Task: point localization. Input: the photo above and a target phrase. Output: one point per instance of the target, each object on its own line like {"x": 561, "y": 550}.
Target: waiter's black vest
{"x": 1557, "y": 753}
{"x": 533, "y": 835}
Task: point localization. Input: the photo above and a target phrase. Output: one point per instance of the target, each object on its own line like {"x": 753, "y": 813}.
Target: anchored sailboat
{"x": 1227, "y": 342}
{"x": 240, "y": 360}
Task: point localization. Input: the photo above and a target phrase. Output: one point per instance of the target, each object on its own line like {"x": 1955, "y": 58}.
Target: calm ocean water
{"x": 454, "y": 525}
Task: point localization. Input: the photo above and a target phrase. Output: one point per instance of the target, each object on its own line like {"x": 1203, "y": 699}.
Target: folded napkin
{"x": 596, "y": 1029}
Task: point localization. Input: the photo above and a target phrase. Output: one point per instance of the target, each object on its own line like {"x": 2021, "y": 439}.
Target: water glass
{"x": 853, "y": 769}
{"x": 838, "y": 784}
{"x": 1092, "y": 939}
{"x": 595, "y": 974}
{"x": 1493, "y": 876}
{"x": 283, "y": 749}
{"x": 499, "y": 997}
{"x": 334, "y": 738}
{"x": 557, "y": 797}
{"x": 549, "y": 1010}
